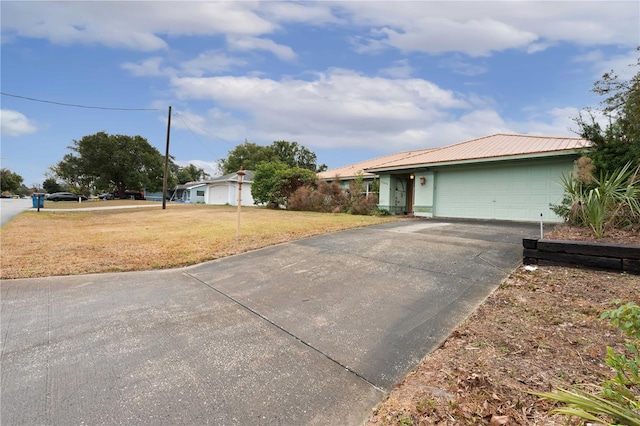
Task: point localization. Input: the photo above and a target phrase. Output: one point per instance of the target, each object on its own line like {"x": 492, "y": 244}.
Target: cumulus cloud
{"x": 336, "y": 101}
{"x": 132, "y": 25}
{"x": 480, "y": 28}
{"x": 344, "y": 109}
{"x": 475, "y": 28}
{"x": 14, "y": 123}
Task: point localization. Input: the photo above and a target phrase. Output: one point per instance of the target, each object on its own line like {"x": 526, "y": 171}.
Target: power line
{"x": 184, "y": 120}
{"x": 78, "y": 106}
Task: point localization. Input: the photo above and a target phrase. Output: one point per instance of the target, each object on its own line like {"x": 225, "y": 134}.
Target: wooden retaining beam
{"x": 617, "y": 257}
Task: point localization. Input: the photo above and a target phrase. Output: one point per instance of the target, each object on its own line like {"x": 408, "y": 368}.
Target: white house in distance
{"x": 222, "y": 190}
{"x": 501, "y": 176}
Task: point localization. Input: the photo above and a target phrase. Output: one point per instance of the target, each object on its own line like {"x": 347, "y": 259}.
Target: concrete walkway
{"x": 309, "y": 332}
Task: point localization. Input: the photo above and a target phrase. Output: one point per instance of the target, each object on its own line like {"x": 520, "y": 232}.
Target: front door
{"x": 410, "y": 193}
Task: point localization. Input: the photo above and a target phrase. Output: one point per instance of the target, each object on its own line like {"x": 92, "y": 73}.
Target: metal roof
{"x": 493, "y": 147}
{"x": 353, "y": 170}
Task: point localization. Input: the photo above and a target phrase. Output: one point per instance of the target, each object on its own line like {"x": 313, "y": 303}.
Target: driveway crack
{"x": 305, "y": 343}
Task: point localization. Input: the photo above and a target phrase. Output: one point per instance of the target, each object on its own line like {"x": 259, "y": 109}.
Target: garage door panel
{"x": 509, "y": 192}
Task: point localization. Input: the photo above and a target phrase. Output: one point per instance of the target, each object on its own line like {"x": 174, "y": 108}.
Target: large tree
{"x": 249, "y": 155}
{"x": 10, "y": 181}
{"x": 294, "y": 155}
{"x": 117, "y": 163}
{"x": 51, "y": 185}
{"x": 618, "y": 141}
{"x": 190, "y": 173}
{"x": 274, "y": 182}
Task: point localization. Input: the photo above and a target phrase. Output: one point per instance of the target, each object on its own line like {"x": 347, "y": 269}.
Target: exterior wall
{"x": 423, "y": 195}
{"x": 518, "y": 190}
{"x": 193, "y": 196}
{"x": 510, "y": 190}
{"x": 385, "y": 196}
{"x": 221, "y": 193}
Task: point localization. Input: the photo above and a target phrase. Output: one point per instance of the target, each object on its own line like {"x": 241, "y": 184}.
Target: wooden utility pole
{"x": 240, "y": 175}
{"x": 166, "y": 164}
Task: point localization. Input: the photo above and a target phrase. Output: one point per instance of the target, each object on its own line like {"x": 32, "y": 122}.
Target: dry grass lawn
{"x": 64, "y": 243}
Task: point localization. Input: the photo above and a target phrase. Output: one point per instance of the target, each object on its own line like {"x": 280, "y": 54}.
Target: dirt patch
{"x": 538, "y": 331}
{"x": 630, "y": 235}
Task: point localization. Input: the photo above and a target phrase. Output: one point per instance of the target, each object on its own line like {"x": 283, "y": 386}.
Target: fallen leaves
{"x": 539, "y": 330}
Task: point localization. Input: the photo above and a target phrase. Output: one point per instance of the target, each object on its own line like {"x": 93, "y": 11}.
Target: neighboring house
{"x": 502, "y": 176}
{"x": 222, "y": 190}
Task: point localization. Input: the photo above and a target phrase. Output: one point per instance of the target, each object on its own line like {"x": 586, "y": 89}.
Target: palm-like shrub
{"x": 608, "y": 202}
{"x": 618, "y": 401}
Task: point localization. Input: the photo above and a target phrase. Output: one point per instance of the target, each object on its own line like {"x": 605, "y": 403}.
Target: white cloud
{"x": 342, "y": 109}
{"x": 554, "y": 122}
{"x": 480, "y": 28}
{"x": 211, "y": 62}
{"x": 317, "y": 13}
{"x": 474, "y": 28}
{"x": 133, "y": 25}
{"x": 14, "y": 123}
{"x": 399, "y": 69}
{"x": 206, "y": 63}
{"x": 463, "y": 67}
{"x": 210, "y": 167}
{"x": 148, "y": 68}
{"x": 624, "y": 65}
{"x": 255, "y": 43}
{"x": 475, "y": 37}
{"x": 335, "y": 102}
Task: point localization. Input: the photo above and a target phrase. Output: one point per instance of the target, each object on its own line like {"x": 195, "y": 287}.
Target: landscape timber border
{"x": 617, "y": 257}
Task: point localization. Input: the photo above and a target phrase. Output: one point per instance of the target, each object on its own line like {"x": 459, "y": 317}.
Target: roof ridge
{"x": 379, "y": 158}
{"x": 528, "y": 136}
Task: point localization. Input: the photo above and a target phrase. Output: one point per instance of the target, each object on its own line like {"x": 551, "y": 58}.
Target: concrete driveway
{"x": 309, "y": 332}
{"x": 10, "y": 207}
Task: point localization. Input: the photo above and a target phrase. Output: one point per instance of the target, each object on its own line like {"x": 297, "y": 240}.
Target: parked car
{"x": 133, "y": 195}
{"x": 106, "y": 196}
{"x": 65, "y": 196}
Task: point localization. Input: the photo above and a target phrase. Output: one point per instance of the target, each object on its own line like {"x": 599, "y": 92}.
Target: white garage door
{"x": 517, "y": 191}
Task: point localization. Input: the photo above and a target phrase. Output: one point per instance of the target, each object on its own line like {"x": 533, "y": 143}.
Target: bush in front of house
{"x": 610, "y": 201}
{"x": 333, "y": 198}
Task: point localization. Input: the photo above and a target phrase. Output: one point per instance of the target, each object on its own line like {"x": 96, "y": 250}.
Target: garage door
{"x": 515, "y": 191}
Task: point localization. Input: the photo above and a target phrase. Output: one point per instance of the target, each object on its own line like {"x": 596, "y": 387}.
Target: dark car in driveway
{"x": 65, "y": 196}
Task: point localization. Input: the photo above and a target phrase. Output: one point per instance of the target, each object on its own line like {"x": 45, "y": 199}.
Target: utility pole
{"x": 240, "y": 175}
{"x": 166, "y": 164}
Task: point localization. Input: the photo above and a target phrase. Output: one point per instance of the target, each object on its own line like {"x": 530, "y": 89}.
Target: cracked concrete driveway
{"x": 310, "y": 332}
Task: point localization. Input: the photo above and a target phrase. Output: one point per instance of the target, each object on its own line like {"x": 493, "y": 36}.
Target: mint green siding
{"x": 424, "y": 184}
{"x": 515, "y": 190}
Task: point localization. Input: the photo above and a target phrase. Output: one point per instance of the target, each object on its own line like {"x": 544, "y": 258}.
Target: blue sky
{"x": 350, "y": 80}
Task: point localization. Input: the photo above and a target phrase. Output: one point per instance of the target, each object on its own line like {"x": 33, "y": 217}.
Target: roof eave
{"x": 480, "y": 160}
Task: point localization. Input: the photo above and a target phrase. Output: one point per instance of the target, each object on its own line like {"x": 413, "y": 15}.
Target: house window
{"x": 200, "y": 193}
